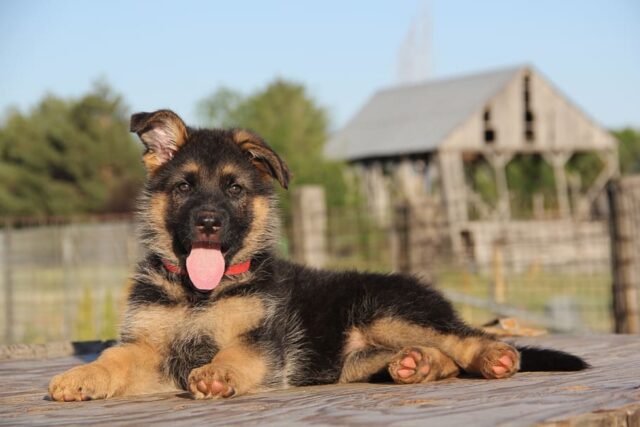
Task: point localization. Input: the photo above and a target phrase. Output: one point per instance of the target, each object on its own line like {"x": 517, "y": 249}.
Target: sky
{"x": 169, "y": 54}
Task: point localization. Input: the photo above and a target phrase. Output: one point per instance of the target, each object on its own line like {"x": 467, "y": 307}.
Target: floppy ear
{"x": 162, "y": 133}
{"x": 262, "y": 156}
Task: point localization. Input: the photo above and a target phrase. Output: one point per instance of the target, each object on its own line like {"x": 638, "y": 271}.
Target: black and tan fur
{"x": 279, "y": 324}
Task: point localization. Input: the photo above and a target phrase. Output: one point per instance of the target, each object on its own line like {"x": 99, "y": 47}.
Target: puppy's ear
{"x": 262, "y": 156}
{"x": 162, "y": 133}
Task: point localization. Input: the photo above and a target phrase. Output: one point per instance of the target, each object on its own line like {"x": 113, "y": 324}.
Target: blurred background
{"x": 487, "y": 146}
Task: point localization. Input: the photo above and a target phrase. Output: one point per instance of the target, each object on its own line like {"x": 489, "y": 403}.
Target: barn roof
{"x": 415, "y": 118}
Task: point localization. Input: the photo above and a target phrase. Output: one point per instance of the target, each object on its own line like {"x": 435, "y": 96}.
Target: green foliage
{"x": 109, "y": 329}
{"x": 586, "y": 166}
{"x": 629, "y": 150}
{"x": 526, "y": 176}
{"x": 69, "y": 156}
{"x": 85, "y": 324}
{"x": 291, "y": 122}
{"x": 222, "y": 108}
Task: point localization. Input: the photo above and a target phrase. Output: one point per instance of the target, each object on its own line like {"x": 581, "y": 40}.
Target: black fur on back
{"x": 541, "y": 359}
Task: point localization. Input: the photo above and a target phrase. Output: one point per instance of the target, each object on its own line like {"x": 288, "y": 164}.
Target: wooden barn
{"x": 422, "y": 139}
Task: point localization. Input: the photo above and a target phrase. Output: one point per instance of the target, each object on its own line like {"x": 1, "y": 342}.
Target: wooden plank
{"x": 607, "y": 394}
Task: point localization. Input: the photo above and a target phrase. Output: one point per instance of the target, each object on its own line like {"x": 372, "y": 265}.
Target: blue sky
{"x": 171, "y": 54}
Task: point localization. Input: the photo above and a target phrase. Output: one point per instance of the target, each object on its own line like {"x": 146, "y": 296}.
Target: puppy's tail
{"x": 543, "y": 359}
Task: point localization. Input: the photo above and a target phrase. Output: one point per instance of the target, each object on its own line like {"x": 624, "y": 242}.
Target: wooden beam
{"x": 610, "y": 171}
{"x": 558, "y": 161}
{"x": 499, "y": 161}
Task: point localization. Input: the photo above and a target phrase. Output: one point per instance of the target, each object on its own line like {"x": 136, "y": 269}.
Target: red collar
{"x": 232, "y": 270}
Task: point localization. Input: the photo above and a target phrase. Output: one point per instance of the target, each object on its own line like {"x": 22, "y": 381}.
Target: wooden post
{"x": 9, "y": 321}
{"x": 402, "y": 226}
{"x": 309, "y": 226}
{"x": 538, "y": 206}
{"x": 454, "y": 196}
{"x": 499, "y": 284}
{"x": 625, "y": 240}
{"x": 68, "y": 308}
{"x": 558, "y": 162}
{"x": 419, "y": 238}
{"x": 499, "y": 161}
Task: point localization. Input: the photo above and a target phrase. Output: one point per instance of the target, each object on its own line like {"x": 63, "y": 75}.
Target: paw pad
{"x": 500, "y": 361}
{"x": 409, "y": 366}
{"x": 210, "y": 382}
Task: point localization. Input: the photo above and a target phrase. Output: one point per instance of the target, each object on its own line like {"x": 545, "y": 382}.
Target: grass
{"x": 588, "y": 294}
{"x": 50, "y": 304}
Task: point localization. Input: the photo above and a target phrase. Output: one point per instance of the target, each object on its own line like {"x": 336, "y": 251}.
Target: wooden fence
{"x": 64, "y": 279}
{"x": 624, "y": 203}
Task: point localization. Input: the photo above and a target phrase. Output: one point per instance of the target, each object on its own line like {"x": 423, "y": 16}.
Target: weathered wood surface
{"x": 607, "y": 394}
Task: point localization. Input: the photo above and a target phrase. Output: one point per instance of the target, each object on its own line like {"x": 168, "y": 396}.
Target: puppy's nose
{"x": 208, "y": 222}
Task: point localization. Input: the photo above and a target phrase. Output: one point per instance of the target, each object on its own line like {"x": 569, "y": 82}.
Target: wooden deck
{"x": 607, "y": 394}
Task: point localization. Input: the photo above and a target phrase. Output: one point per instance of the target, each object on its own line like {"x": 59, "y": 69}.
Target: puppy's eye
{"x": 235, "y": 190}
{"x": 183, "y": 187}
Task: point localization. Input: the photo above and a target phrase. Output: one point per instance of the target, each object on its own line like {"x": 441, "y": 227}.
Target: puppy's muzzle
{"x": 207, "y": 225}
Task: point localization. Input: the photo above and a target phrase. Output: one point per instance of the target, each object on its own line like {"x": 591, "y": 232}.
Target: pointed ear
{"x": 262, "y": 156}
{"x": 162, "y": 133}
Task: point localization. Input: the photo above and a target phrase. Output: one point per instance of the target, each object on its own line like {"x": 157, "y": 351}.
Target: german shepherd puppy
{"x": 214, "y": 311}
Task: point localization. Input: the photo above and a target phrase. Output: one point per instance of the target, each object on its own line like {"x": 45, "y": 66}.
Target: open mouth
{"x": 205, "y": 265}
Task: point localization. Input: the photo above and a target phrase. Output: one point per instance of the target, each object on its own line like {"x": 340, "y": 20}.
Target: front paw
{"x": 213, "y": 381}
{"x": 85, "y": 382}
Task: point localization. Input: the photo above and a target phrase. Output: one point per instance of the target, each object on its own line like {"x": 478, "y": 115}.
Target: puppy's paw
{"x": 85, "y": 382}
{"x": 414, "y": 365}
{"x": 213, "y": 381}
{"x": 499, "y": 360}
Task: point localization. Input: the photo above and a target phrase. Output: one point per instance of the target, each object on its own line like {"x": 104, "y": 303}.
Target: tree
{"x": 629, "y": 150}
{"x": 69, "y": 156}
{"x": 293, "y": 124}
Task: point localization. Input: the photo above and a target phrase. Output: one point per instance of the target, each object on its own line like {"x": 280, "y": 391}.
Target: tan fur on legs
{"x": 123, "y": 370}
{"x": 235, "y": 370}
{"x": 481, "y": 354}
{"x": 360, "y": 366}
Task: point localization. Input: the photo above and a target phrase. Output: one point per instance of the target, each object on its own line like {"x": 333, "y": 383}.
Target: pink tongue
{"x": 205, "y": 266}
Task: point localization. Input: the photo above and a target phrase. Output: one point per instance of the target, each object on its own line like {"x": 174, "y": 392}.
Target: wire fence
{"x": 555, "y": 274}
{"x": 64, "y": 279}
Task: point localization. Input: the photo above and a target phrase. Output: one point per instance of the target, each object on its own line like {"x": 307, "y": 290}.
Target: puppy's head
{"x": 208, "y": 201}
